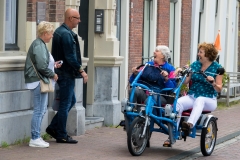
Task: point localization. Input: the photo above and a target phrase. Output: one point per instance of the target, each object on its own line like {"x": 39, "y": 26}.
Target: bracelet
{"x": 82, "y": 71}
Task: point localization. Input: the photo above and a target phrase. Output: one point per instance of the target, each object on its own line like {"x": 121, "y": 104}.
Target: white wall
{"x": 230, "y": 54}
{"x": 225, "y": 21}
{"x": 124, "y": 45}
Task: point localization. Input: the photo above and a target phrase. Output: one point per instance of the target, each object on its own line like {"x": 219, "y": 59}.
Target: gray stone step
{"x": 93, "y": 122}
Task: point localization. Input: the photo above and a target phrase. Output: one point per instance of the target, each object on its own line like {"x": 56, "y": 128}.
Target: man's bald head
{"x": 72, "y": 18}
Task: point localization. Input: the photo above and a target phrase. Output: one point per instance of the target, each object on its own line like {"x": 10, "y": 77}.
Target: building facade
{"x": 131, "y": 29}
{"x": 181, "y": 25}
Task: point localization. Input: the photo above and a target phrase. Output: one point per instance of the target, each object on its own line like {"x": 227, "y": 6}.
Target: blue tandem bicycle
{"x": 155, "y": 117}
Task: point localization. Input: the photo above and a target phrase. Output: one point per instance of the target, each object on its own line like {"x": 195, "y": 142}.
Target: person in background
{"x": 65, "y": 46}
{"x": 202, "y": 94}
{"x": 39, "y": 56}
{"x": 165, "y": 78}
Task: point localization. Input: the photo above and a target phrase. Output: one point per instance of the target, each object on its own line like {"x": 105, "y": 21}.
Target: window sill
{"x": 12, "y": 60}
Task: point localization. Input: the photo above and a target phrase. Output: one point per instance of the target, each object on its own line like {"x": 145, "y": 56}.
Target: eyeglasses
{"x": 78, "y": 18}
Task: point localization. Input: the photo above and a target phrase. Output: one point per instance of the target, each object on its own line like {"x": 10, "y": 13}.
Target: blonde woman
{"x": 39, "y": 56}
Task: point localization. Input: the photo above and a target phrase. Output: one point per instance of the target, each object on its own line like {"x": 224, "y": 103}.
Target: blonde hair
{"x": 44, "y": 27}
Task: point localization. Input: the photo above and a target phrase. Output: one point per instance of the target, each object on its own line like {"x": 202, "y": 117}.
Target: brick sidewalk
{"x": 111, "y": 143}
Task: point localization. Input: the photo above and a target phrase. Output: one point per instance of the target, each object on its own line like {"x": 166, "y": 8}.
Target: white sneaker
{"x": 44, "y": 141}
{"x": 38, "y": 143}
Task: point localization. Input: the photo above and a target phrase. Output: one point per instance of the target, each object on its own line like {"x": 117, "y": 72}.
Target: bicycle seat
{"x": 188, "y": 112}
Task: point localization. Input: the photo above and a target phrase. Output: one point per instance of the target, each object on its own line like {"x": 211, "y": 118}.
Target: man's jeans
{"x": 67, "y": 100}
{"x": 39, "y": 109}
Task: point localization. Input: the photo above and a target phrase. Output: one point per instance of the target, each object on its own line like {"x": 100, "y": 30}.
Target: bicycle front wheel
{"x": 136, "y": 142}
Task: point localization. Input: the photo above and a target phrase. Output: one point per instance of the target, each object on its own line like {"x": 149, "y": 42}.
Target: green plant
{"x": 225, "y": 78}
{"x": 26, "y": 140}
{"x": 46, "y": 136}
{"x": 110, "y": 126}
{"x": 4, "y": 144}
{"x": 17, "y": 142}
{"x": 22, "y": 141}
{"x": 184, "y": 89}
{"x": 222, "y": 105}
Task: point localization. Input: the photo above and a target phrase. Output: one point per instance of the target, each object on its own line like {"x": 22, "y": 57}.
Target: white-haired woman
{"x": 39, "y": 58}
{"x": 161, "y": 56}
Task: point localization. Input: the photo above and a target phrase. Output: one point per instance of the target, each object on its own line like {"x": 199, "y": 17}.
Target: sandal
{"x": 186, "y": 128}
{"x": 167, "y": 143}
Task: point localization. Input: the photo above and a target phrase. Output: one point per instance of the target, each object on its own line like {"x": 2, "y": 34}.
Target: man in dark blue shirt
{"x": 65, "y": 46}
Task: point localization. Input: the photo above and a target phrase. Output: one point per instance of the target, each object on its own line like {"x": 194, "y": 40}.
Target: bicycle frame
{"x": 151, "y": 103}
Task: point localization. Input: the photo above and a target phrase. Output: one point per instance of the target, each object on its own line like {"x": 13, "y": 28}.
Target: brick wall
{"x": 54, "y": 10}
{"x": 185, "y": 32}
{"x": 136, "y": 29}
{"x": 163, "y": 18}
{"x": 135, "y": 34}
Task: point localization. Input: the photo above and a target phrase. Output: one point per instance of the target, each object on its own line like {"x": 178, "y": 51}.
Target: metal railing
{"x": 231, "y": 90}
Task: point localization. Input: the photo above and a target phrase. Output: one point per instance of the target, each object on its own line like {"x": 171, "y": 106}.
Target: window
{"x": 11, "y": 25}
{"x": 148, "y": 11}
{"x": 118, "y": 18}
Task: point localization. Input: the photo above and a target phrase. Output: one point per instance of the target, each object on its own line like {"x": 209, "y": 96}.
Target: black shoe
{"x": 69, "y": 137}
{"x": 66, "y": 140}
{"x": 51, "y": 132}
{"x": 186, "y": 128}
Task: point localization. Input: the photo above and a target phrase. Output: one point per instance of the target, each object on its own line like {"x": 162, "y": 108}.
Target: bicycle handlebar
{"x": 205, "y": 76}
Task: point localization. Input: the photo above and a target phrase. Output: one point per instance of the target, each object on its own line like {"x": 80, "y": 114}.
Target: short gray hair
{"x": 165, "y": 51}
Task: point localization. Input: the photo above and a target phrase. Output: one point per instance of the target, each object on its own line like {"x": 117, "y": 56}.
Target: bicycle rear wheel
{"x": 208, "y": 137}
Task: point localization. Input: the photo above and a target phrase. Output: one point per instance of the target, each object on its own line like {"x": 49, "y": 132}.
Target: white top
{"x": 33, "y": 85}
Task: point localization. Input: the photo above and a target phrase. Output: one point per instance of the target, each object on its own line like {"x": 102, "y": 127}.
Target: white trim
{"x": 194, "y": 30}
{"x": 124, "y": 49}
{"x": 2, "y": 27}
{"x": 220, "y": 24}
{"x": 235, "y": 68}
{"x": 107, "y": 61}
{"x": 22, "y": 14}
{"x": 21, "y": 28}
{"x": 12, "y": 61}
{"x": 153, "y": 27}
{"x": 177, "y": 38}
{"x": 230, "y": 45}
{"x": 209, "y": 22}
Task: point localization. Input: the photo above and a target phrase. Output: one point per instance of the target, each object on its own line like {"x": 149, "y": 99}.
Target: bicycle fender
{"x": 206, "y": 120}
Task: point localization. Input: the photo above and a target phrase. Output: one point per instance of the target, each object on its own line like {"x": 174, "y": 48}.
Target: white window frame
{"x": 20, "y": 27}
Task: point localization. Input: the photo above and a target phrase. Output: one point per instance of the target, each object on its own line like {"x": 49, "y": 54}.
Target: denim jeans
{"x": 39, "y": 109}
{"x": 67, "y": 100}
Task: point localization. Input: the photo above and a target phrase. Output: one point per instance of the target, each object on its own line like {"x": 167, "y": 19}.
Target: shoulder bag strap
{"x": 34, "y": 67}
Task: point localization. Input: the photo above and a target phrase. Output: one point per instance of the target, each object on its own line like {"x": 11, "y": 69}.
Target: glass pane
{"x": 10, "y": 25}
{"x": 146, "y": 32}
{"x": 118, "y": 18}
